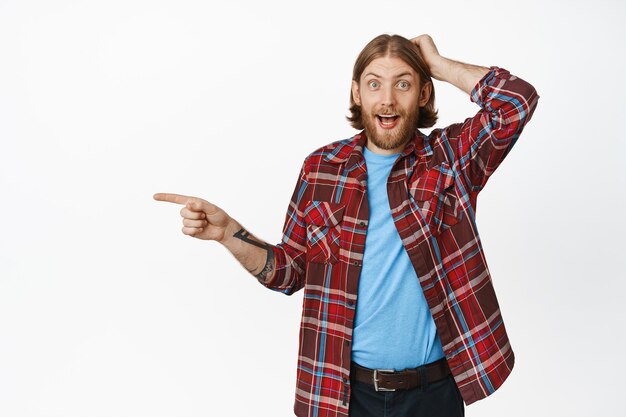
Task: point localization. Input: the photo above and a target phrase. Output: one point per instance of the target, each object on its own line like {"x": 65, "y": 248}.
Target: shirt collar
{"x": 352, "y": 150}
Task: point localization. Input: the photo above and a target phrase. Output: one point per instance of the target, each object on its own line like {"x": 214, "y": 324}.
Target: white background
{"x": 107, "y": 309}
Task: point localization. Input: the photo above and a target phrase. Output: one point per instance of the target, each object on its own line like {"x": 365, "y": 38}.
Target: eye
{"x": 373, "y": 84}
{"x": 403, "y": 85}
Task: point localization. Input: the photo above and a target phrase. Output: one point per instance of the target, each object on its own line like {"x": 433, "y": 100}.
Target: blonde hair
{"x": 399, "y": 47}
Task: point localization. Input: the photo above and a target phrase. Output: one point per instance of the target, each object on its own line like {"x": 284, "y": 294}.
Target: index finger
{"x": 173, "y": 198}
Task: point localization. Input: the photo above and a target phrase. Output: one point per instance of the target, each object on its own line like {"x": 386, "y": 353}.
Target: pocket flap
{"x": 431, "y": 182}
{"x": 323, "y": 213}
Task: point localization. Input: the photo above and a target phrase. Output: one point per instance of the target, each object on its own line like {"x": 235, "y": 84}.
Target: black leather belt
{"x": 391, "y": 380}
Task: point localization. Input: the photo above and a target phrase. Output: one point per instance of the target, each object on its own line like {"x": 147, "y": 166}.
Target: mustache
{"x": 388, "y": 111}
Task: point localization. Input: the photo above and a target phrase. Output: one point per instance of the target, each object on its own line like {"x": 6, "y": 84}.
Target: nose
{"x": 388, "y": 98}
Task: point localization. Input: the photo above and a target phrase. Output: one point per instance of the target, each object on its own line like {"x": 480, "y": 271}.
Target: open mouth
{"x": 387, "y": 121}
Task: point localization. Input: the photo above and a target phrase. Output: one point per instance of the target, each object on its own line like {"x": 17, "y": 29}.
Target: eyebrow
{"x": 404, "y": 74}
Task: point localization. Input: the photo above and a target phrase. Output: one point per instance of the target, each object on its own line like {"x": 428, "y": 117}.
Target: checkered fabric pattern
{"x": 432, "y": 192}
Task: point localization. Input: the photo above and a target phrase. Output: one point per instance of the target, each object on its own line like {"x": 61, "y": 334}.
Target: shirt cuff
{"x": 481, "y": 90}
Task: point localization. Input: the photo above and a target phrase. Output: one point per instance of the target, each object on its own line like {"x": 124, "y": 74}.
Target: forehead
{"x": 388, "y": 67}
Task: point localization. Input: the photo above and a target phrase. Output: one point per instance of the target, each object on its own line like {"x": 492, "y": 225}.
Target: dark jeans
{"x": 434, "y": 399}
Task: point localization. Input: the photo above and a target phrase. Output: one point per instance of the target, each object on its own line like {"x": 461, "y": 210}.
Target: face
{"x": 389, "y": 96}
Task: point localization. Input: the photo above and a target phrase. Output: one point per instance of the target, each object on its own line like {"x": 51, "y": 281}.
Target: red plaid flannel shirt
{"x": 432, "y": 192}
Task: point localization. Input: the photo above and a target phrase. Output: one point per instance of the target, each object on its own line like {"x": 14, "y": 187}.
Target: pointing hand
{"x": 201, "y": 219}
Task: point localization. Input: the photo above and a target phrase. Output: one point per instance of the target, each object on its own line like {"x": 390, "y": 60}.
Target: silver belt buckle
{"x": 376, "y": 387}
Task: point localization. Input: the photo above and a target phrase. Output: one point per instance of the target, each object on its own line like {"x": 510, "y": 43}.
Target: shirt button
{"x": 361, "y": 223}
{"x": 351, "y": 303}
{"x": 356, "y": 263}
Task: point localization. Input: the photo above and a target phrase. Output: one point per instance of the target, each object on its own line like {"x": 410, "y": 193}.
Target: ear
{"x": 425, "y": 93}
{"x": 355, "y": 93}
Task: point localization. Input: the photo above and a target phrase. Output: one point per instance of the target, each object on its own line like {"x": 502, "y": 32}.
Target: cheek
{"x": 367, "y": 105}
{"x": 410, "y": 102}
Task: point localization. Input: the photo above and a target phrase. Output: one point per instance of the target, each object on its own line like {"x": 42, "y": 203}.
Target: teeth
{"x": 387, "y": 115}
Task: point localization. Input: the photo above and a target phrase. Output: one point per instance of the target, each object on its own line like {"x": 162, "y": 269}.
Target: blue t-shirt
{"x": 393, "y": 328}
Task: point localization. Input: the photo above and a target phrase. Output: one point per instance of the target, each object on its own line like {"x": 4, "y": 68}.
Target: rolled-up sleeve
{"x": 290, "y": 253}
{"x": 482, "y": 142}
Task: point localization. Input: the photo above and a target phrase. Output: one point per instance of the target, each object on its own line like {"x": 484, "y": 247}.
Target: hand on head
{"x": 430, "y": 54}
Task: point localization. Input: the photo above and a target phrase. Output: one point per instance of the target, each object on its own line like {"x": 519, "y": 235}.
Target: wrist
{"x": 229, "y": 231}
{"x": 440, "y": 69}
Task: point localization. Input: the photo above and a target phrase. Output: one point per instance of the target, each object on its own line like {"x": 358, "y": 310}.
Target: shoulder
{"x": 333, "y": 149}
{"x": 451, "y": 131}
{"x": 334, "y": 152}
{"x": 451, "y": 134}
{"x": 444, "y": 143}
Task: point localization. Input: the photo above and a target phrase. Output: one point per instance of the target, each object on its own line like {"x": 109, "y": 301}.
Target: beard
{"x": 391, "y": 138}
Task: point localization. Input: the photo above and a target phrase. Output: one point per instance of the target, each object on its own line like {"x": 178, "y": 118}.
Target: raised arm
{"x": 464, "y": 76}
{"x": 507, "y": 103}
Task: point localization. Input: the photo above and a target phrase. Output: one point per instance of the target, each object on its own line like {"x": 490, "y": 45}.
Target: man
{"x": 399, "y": 312}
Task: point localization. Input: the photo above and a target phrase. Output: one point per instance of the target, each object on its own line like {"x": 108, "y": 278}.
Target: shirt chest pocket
{"x": 323, "y": 231}
{"x": 436, "y": 195}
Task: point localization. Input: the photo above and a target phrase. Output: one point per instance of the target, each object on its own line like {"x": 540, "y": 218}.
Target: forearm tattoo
{"x": 244, "y": 235}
